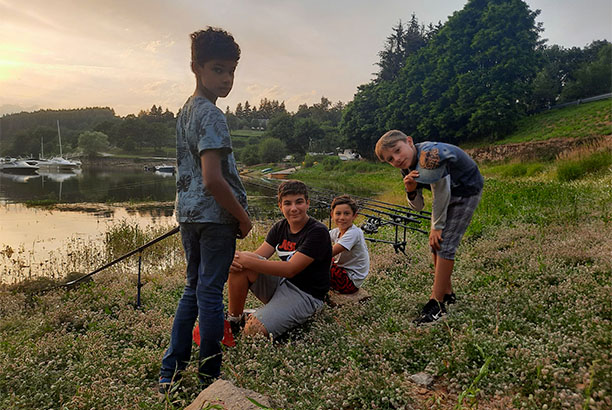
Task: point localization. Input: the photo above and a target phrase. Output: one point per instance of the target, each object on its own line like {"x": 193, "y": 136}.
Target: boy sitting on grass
{"x": 293, "y": 288}
{"x": 351, "y": 258}
{"x": 456, "y": 186}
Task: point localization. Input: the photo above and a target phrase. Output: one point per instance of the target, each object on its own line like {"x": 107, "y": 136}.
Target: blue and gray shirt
{"x": 201, "y": 126}
{"x": 447, "y": 171}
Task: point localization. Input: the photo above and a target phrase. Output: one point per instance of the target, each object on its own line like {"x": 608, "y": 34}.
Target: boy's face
{"x": 343, "y": 216}
{"x": 294, "y": 208}
{"x": 216, "y": 78}
{"x": 400, "y": 154}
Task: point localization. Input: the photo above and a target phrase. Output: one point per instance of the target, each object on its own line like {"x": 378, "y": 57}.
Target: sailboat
{"x": 59, "y": 163}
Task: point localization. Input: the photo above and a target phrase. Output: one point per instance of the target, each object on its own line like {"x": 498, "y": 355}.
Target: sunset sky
{"x": 129, "y": 55}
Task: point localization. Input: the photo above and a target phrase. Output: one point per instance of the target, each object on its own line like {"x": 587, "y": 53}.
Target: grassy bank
{"x": 531, "y": 329}
{"x": 579, "y": 121}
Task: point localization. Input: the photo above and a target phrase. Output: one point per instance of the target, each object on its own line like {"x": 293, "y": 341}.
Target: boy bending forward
{"x": 456, "y": 185}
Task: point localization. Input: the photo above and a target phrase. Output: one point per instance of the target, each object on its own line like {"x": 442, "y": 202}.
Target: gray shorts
{"x": 458, "y": 217}
{"x": 285, "y": 307}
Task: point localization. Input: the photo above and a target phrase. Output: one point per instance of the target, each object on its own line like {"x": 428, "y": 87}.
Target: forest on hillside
{"x": 472, "y": 78}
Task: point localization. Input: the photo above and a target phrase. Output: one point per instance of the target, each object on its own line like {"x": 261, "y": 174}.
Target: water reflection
{"x": 89, "y": 185}
{"x": 35, "y": 234}
{"x": 19, "y": 179}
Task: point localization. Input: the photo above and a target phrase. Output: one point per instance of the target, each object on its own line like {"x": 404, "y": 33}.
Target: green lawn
{"x": 585, "y": 120}
{"x": 531, "y": 328}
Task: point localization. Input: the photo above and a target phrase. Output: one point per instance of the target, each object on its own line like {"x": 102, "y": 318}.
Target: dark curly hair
{"x": 213, "y": 44}
{"x": 292, "y": 187}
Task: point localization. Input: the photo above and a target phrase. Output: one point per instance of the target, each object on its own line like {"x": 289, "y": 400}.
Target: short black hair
{"x": 213, "y": 44}
{"x": 292, "y": 187}
{"x": 344, "y": 200}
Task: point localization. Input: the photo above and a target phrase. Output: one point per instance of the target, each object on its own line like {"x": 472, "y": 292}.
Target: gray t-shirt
{"x": 355, "y": 259}
{"x": 201, "y": 126}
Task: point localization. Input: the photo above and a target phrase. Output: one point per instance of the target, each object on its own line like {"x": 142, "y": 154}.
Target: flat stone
{"x": 422, "y": 379}
{"x": 228, "y": 396}
{"x": 341, "y": 299}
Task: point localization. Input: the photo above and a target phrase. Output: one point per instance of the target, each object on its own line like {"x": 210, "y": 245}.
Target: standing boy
{"x": 293, "y": 288}
{"x": 456, "y": 186}
{"x": 210, "y": 208}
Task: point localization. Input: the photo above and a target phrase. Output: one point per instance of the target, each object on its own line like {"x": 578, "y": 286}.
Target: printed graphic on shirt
{"x": 285, "y": 250}
{"x": 430, "y": 159}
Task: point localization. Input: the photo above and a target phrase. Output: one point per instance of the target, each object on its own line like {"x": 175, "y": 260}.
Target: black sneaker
{"x": 449, "y": 299}
{"x": 432, "y": 311}
{"x": 238, "y": 325}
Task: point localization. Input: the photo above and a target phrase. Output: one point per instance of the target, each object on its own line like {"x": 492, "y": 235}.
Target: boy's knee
{"x": 255, "y": 327}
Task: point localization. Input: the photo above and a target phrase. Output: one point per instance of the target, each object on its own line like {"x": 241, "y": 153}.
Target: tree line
{"x": 471, "y": 78}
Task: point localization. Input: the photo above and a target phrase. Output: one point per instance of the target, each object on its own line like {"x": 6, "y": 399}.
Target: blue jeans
{"x": 209, "y": 250}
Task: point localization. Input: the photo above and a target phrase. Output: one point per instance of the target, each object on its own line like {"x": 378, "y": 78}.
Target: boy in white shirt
{"x": 351, "y": 260}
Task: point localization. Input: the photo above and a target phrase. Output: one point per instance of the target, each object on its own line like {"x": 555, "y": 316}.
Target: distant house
{"x": 348, "y": 155}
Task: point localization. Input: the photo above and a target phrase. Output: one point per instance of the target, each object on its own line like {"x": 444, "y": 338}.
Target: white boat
{"x": 165, "y": 168}
{"x": 17, "y": 166}
{"x": 58, "y": 163}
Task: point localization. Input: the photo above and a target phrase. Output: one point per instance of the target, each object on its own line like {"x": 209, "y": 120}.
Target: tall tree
{"x": 472, "y": 79}
{"x": 403, "y": 42}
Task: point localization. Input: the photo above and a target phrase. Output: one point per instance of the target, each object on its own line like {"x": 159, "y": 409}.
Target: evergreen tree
{"x": 403, "y": 42}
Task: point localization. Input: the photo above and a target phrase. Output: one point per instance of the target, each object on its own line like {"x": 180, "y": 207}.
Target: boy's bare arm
{"x": 289, "y": 269}
{"x": 221, "y": 191}
{"x": 265, "y": 251}
{"x": 337, "y": 248}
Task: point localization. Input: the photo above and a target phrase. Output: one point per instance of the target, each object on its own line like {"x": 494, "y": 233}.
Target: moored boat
{"x": 165, "y": 168}
{"x": 17, "y": 166}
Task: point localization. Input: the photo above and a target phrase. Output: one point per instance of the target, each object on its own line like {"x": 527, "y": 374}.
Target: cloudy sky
{"x": 131, "y": 54}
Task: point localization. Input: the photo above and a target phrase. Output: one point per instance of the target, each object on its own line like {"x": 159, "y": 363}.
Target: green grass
{"x": 585, "y": 120}
{"x": 246, "y": 133}
{"x": 532, "y": 326}
{"x": 597, "y": 162}
{"x": 360, "y": 178}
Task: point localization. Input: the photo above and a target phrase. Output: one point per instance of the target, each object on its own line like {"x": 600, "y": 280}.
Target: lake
{"x": 33, "y": 238}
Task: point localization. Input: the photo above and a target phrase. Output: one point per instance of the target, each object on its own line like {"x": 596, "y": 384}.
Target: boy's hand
{"x": 435, "y": 237}
{"x": 236, "y": 267}
{"x": 409, "y": 183}
{"x": 244, "y": 228}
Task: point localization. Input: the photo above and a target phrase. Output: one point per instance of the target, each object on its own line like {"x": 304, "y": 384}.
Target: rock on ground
{"x": 422, "y": 379}
{"x": 230, "y": 397}
{"x": 339, "y": 299}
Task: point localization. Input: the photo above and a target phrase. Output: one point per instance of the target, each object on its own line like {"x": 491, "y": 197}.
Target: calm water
{"x": 88, "y": 185}
{"x": 35, "y": 234}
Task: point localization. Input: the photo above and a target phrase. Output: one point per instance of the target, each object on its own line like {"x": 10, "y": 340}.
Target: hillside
{"x": 545, "y": 135}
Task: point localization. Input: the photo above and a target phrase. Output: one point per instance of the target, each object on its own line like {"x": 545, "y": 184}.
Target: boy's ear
{"x": 409, "y": 139}
{"x": 195, "y": 67}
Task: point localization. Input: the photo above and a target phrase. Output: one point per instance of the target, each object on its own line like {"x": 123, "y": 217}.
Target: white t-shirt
{"x": 355, "y": 259}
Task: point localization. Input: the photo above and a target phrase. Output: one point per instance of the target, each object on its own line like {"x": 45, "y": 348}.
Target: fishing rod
{"x": 379, "y": 213}
{"x": 117, "y": 260}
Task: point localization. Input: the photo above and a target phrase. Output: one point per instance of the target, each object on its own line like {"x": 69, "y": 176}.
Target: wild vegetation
{"x": 531, "y": 328}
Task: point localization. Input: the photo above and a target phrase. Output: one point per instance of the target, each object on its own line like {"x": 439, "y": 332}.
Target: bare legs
{"x": 443, "y": 268}
{"x": 238, "y": 288}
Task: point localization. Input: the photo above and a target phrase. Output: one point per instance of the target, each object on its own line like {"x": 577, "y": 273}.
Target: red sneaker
{"x": 228, "y": 337}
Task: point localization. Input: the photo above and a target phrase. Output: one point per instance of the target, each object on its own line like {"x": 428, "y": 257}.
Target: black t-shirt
{"x": 312, "y": 240}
